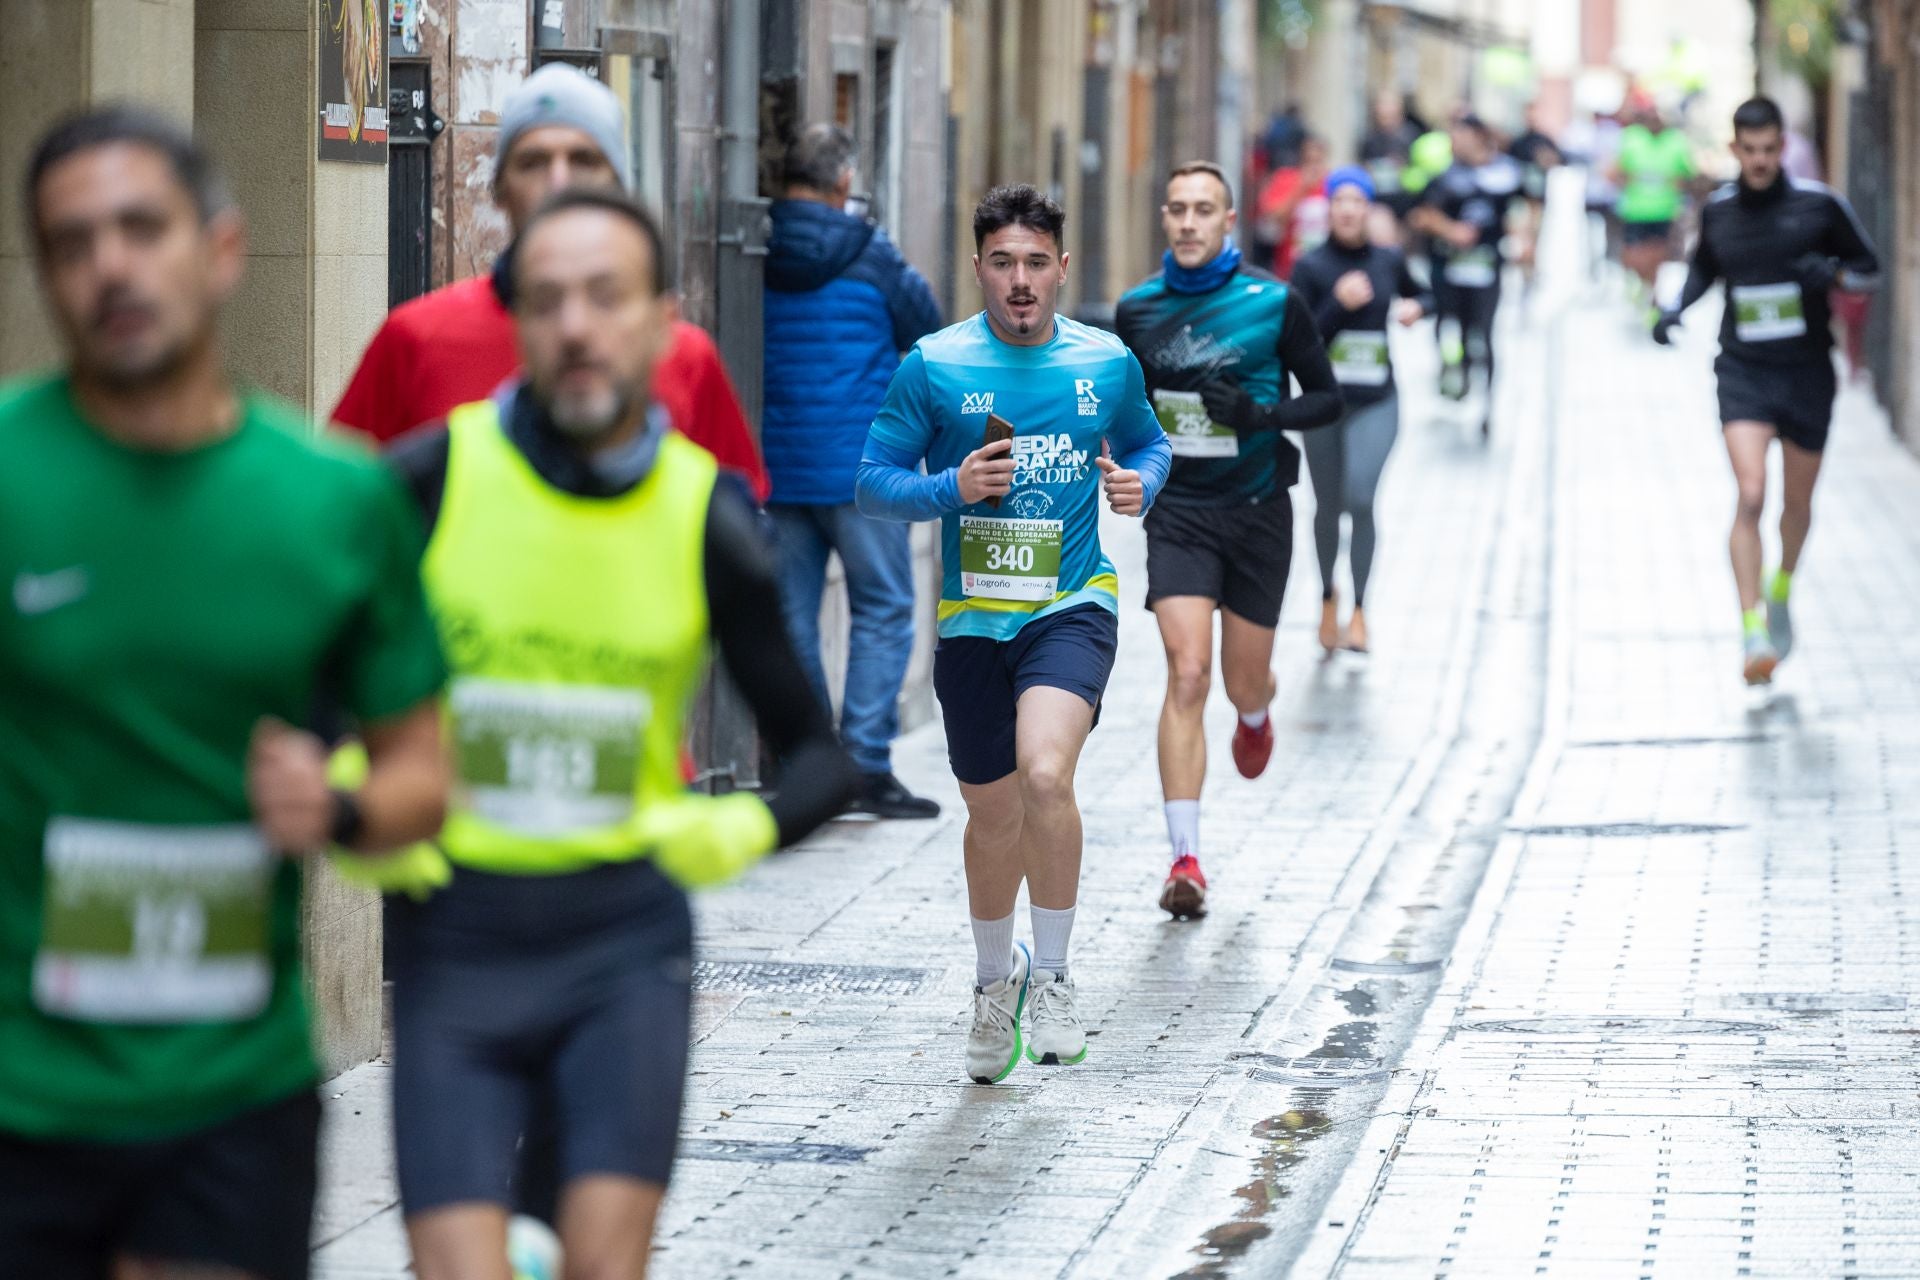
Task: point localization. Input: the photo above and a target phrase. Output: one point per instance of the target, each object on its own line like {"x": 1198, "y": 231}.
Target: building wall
{"x": 244, "y": 73}
{"x": 58, "y": 56}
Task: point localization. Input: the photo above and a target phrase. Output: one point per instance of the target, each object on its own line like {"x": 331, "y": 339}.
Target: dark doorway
{"x": 413, "y": 127}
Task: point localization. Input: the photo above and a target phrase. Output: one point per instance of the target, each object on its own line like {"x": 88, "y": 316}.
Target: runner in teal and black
{"x": 1029, "y": 605}
{"x": 187, "y": 576}
{"x": 1219, "y": 341}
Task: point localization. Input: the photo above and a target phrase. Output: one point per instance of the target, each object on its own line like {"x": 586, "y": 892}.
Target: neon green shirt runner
{"x": 1655, "y": 166}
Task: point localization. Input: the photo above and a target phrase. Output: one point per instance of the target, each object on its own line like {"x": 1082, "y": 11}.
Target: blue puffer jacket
{"x": 841, "y": 305}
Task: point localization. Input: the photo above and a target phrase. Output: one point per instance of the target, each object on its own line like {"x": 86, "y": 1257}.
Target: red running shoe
{"x": 1185, "y": 893}
{"x": 1252, "y": 748}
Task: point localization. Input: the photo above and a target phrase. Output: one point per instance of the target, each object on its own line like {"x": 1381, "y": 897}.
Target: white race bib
{"x": 1768, "y": 312}
{"x": 1474, "y": 269}
{"x": 1359, "y": 357}
{"x": 1190, "y": 432}
{"x": 1009, "y": 559}
{"x": 546, "y": 760}
{"x": 154, "y": 924}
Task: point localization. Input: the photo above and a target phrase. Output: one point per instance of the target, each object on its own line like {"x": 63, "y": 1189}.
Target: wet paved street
{"x": 1543, "y": 947}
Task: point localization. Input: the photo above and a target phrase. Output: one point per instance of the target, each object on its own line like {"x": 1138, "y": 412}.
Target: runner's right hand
{"x": 1663, "y": 327}
{"x": 1353, "y": 290}
{"x": 287, "y": 787}
{"x": 987, "y": 472}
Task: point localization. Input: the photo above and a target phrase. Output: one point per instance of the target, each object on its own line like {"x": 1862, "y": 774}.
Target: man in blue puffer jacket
{"x": 841, "y": 307}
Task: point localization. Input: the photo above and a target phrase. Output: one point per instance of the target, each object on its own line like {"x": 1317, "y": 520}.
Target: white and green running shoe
{"x": 1054, "y": 1035}
{"x": 993, "y": 1045}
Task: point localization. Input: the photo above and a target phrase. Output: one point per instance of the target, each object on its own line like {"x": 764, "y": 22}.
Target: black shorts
{"x": 540, "y": 1029}
{"x": 979, "y": 683}
{"x": 1237, "y": 557}
{"x": 1797, "y": 399}
{"x": 238, "y": 1194}
{"x": 1645, "y": 232}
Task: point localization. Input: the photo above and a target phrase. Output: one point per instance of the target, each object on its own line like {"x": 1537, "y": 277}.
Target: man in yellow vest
{"x": 582, "y": 558}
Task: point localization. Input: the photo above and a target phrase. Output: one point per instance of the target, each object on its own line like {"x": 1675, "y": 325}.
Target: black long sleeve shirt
{"x": 1770, "y": 247}
{"x": 1354, "y": 338}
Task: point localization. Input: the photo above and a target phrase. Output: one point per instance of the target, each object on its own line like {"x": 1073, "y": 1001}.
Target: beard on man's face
{"x": 123, "y": 341}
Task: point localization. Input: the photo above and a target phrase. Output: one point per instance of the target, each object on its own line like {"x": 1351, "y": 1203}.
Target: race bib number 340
{"x": 1009, "y": 559}
{"x": 154, "y": 924}
{"x": 545, "y": 760}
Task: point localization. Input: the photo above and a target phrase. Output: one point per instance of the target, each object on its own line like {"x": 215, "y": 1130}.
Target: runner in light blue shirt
{"x": 1029, "y": 610}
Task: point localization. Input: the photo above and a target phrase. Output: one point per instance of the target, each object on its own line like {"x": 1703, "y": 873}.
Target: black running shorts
{"x": 1646, "y": 232}
{"x": 979, "y": 682}
{"x": 238, "y": 1194}
{"x": 1797, "y": 399}
{"x": 1235, "y": 556}
{"x": 540, "y": 1033}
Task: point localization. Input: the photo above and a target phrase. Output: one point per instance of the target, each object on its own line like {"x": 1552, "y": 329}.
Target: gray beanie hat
{"x": 565, "y": 95}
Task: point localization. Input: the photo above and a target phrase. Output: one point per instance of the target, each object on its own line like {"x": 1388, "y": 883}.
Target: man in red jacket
{"x": 559, "y": 128}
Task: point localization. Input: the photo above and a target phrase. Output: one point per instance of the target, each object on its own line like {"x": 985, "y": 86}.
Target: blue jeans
{"x": 877, "y": 557}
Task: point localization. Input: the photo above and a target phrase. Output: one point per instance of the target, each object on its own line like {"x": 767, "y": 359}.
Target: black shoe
{"x": 882, "y": 796}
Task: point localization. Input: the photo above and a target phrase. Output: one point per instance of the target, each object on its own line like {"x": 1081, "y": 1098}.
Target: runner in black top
{"x": 1355, "y": 289}
{"x": 1466, "y": 213}
{"x": 1219, "y": 341}
{"x": 1781, "y": 245}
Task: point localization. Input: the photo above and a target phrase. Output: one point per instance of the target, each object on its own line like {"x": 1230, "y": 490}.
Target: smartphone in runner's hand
{"x": 998, "y": 428}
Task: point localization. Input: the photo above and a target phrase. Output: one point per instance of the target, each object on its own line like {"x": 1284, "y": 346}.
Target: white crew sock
{"x": 1183, "y": 825}
{"x": 1051, "y": 929}
{"x": 992, "y": 949}
{"x": 1254, "y": 719}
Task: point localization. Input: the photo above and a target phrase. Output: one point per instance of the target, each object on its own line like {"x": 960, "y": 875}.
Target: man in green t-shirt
{"x": 1654, "y": 164}
{"x": 184, "y": 576}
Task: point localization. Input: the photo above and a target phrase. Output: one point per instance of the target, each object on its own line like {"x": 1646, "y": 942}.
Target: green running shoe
{"x": 1056, "y": 1037}
{"x": 993, "y": 1044}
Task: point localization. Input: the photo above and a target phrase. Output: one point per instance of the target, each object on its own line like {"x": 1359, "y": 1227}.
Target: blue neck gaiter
{"x": 1203, "y": 278}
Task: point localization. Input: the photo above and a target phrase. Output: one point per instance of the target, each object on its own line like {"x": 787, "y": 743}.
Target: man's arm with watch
{"x": 402, "y": 800}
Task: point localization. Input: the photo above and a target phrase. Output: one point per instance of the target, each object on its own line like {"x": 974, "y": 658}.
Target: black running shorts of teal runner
{"x": 1237, "y": 557}
{"x": 979, "y": 683}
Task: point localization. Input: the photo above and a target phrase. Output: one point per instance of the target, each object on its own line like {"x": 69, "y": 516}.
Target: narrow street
{"x": 1544, "y": 947}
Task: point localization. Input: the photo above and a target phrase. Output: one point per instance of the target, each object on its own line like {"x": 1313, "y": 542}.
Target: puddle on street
{"x": 1287, "y": 1139}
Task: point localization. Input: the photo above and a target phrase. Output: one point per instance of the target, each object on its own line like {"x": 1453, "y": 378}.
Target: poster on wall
{"x": 353, "y": 81}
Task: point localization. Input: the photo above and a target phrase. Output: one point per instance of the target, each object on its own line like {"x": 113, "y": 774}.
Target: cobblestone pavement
{"x": 1543, "y": 948}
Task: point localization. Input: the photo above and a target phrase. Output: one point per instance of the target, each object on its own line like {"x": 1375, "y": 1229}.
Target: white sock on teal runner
{"x": 1051, "y": 930}
{"x": 992, "y": 950}
{"x": 1254, "y": 719}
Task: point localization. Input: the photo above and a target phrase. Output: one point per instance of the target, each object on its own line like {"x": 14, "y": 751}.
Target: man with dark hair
{"x": 581, "y": 561}
{"x": 559, "y": 128}
{"x": 841, "y": 306}
{"x": 178, "y": 599}
{"x": 1466, "y": 213}
{"x": 1219, "y": 342}
{"x": 1782, "y": 245}
{"x": 1013, "y": 412}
